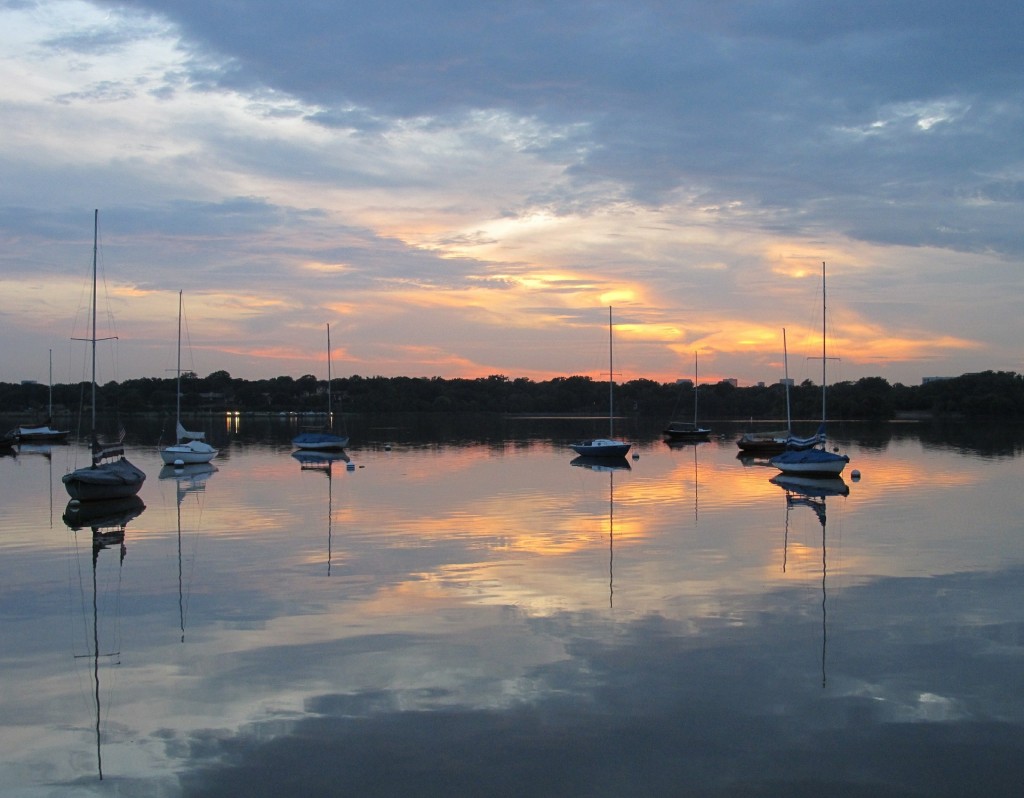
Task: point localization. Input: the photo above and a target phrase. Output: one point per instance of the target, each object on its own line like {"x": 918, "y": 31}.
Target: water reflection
{"x": 189, "y": 480}
{"x": 498, "y": 623}
{"x": 812, "y": 492}
{"x": 107, "y": 521}
{"x": 322, "y": 462}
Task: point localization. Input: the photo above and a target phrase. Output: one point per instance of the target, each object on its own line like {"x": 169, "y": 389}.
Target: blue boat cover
{"x": 808, "y": 457}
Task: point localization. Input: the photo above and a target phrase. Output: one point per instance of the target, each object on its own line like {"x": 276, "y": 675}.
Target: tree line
{"x": 987, "y": 394}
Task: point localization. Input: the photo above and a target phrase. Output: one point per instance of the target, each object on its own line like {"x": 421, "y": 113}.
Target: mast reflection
{"x": 812, "y": 492}
{"x": 322, "y": 462}
{"x": 190, "y": 479}
{"x": 107, "y": 521}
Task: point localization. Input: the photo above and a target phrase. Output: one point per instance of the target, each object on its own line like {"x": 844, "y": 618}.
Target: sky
{"x": 462, "y": 189}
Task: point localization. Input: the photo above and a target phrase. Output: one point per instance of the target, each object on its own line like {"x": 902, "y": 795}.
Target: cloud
{"x": 449, "y": 145}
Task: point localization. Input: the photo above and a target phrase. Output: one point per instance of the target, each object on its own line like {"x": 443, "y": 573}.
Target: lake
{"x": 459, "y": 609}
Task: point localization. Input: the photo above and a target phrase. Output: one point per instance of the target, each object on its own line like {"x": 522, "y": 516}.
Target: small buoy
{"x": 179, "y": 463}
{"x": 387, "y": 447}
{"x": 74, "y": 503}
{"x": 350, "y": 467}
{"x": 855, "y": 474}
{"x": 636, "y": 456}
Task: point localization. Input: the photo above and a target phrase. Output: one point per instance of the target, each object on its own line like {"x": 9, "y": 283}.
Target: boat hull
{"x": 685, "y": 432}
{"x": 114, "y": 480}
{"x": 810, "y": 462}
{"x": 320, "y": 441}
{"x": 189, "y": 453}
{"x": 41, "y": 435}
{"x": 601, "y": 447}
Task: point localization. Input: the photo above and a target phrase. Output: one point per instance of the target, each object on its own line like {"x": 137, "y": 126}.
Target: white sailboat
{"x": 814, "y": 461}
{"x": 43, "y": 433}
{"x": 605, "y": 447}
{"x": 189, "y": 447}
{"x": 325, "y": 440}
{"x": 111, "y": 475}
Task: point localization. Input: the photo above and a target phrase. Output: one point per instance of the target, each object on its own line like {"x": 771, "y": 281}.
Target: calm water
{"x": 478, "y": 616}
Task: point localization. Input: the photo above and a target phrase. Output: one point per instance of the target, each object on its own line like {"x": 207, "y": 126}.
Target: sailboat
{"x": 43, "y": 433}
{"x": 189, "y": 448}
{"x": 766, "y": 443}
{"x": 814, "y": 460}
{"x": 326, "y": 440}
{"x": 684, "y": 431}
{"x": 605, "y": 447}
{"x": 106, "y": 477}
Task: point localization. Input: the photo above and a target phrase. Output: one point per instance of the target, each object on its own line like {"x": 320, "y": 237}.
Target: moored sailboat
{"x": 605, "y": 447}
{"x": 684, "y": 431}
{"x": 814, "y": 460}
{"x": 189, "y": 447}
{"x": 325, "y": 440}
{"x": 110, "y": 475}
{"x": 43, "y": 433}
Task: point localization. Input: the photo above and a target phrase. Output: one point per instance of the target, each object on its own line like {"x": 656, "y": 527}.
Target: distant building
{"x": 787, "y": 381}
{"x": 30, "y": 382}
{"x": 732, "y": 381}
{"x": 760, "y": 384}
{"x": 685, "y": 382}
{"x": 926, "y": 380}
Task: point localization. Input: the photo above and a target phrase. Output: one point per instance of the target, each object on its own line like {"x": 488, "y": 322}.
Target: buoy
{"x": 387, "y": 447}
{"x": 350, "y": 467}
{"x": 855, "y": 474}
{"x": 636, "y": 456}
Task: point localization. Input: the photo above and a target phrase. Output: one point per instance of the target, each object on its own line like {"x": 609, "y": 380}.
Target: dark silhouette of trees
{"x": 983, "y": 395}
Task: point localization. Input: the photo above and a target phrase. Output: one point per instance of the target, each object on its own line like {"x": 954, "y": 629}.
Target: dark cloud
{"x": 743, "y": 98}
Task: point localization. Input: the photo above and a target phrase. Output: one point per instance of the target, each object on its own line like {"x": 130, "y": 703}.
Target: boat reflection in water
{"x": 190, "y": 479}
{"x": 323, "y": 463}
{"x": 609, "y": 465}
{"x": 812, "y": 492}
{"x": 601, "y": 463}
{"x": 107, "y": 521}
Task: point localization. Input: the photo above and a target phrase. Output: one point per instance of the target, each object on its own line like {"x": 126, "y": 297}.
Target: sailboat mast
{"x": 823, "y": 312}
{"x": 695, "y": 390}
{"x": 611, "y": 379}
{"x": 49, "y": 401}
{"x": 785, "y": 365}
{"x": 330, "y": 419}
{"x": 95, "y": 238}
{"x": 177, "y": 406}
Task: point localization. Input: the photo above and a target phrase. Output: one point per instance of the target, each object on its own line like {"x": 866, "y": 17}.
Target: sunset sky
{"x": 463, "y": 188}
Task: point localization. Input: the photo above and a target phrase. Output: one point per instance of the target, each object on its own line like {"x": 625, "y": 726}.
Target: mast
{"x": 611, "y": 379}
{"x": 49, "y": 401}
{"x": 695, "y": 390}
{"x": 330, "y": 418}
{"x": 177, "y": 407}
{"x": 785, "y": 363}
{"x": 95, "y": 239}
{"x": 823, "y": 343}
{"x": 92, "y": 340}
